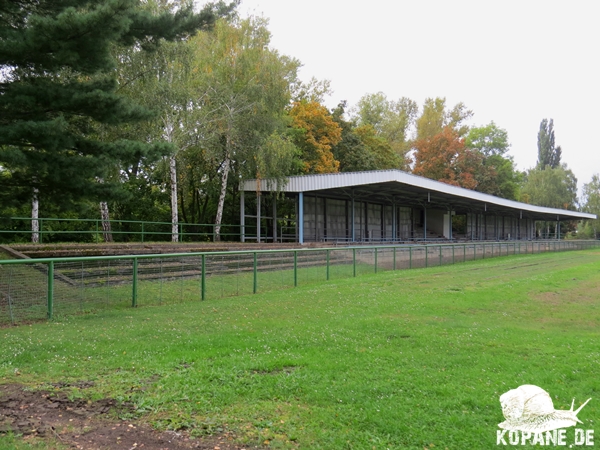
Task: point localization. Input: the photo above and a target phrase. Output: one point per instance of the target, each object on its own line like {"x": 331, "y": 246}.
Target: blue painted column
{"x": 301, "y": 217}
{"x": 258, "y": 206}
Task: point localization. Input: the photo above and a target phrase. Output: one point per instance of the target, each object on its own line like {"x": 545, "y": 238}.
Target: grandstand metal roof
{"x": 402, "y": 188}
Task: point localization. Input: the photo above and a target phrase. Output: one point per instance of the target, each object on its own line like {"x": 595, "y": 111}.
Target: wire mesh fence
{"x": 37, "y": 289}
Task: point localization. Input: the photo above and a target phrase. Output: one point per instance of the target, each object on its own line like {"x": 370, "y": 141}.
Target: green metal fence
{"x": 18, "y": 229}
{"x": 34, "y": 289}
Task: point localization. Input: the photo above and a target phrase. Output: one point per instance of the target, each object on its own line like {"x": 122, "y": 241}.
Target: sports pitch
{"x": 400, "y": 360}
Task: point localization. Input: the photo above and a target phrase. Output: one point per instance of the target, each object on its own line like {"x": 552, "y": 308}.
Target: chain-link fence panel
{"x": 38, "y": 289}
{"x": 23, "y": 293}
{"x": 341, "y": 264}
{"x": 274, "y": 271}
{"x": 82, "y": 286}
{"x": 229, "y": 275}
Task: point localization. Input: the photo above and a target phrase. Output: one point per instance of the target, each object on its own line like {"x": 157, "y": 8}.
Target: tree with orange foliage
{"x": 316, "y": 133}
{"x": 444, "y": 157}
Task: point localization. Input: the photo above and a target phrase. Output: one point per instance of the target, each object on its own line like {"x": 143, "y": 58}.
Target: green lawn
{"x": 401, "y": 360}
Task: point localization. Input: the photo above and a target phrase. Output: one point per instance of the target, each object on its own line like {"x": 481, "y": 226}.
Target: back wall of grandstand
{"x": 386, "y": 206}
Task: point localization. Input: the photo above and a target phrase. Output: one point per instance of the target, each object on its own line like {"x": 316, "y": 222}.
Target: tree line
{"x": 150, "y": 110}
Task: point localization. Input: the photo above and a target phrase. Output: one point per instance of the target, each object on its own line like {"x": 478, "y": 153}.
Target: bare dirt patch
{"x": 83, "y": 424}
{"x": 583, "y": 292}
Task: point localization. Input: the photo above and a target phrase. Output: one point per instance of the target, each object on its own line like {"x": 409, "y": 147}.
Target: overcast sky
{"x": 513, "y": 62}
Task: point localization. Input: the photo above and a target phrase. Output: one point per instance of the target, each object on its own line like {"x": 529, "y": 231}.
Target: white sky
{"x": 513, "y": 62}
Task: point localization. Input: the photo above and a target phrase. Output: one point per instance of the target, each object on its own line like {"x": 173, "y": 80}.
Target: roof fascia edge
{"x": 350, "y": 179}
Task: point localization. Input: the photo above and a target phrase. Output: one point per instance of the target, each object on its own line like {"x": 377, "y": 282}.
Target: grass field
{"x": 400, "y": 360}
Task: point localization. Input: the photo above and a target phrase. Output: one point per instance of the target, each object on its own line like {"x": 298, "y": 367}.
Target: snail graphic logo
{"x": 530, "y": 408}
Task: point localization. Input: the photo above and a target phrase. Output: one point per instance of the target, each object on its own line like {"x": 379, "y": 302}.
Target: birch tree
{"x": 35, "y": 214}
{"x": 161, "y": 81}
{"x": 106, "y": 228}
{"x": 242, "y": 90}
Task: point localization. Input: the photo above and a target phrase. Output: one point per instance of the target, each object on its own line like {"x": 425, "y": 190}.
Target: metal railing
{"x": 35, "y": 289}
{"x": 51, "y": 230}
{"x": 60, "y": 230}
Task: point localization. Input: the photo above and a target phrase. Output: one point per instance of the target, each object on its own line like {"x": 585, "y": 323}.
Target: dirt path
{"x": 81, "y": 424}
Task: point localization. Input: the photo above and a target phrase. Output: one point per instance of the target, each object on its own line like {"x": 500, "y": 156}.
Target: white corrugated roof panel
{"x": 319, "y": 182}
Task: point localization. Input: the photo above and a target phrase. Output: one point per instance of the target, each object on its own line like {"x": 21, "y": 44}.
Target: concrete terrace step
{"x": 171, "y": 270}
{"x": 74, "y": 250}
{"x": 120, "y": 271}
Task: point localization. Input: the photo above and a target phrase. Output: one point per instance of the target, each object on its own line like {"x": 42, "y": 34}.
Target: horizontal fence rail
{"x": 19, "y": 229}
{"x": 35, "y": 289}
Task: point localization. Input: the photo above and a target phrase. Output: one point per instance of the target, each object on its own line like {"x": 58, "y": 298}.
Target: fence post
{"x": 375, "y": 259}
{"x": 452, "y": 254}
{"x": 426, "y": 255}
{"x": 394, "y": 264}
{"x": 50, "y": 295}
{"x": 464, "y": 252}
{"x": 134, "y": 283}
{"x": 96, "y": 231}
{"x": 353, "y": 262}
{"x": 255, "y": 283}
{"x": 295, "y": 268}
{"x": 327, "y": 264}
{"x": 440, "y": 255}
{"x": 483, "y": 250}
{"x": 410, "y": 257}
{"x": 203, "y": 279}
{"x": 41, "y": 232}
{"x": 142, "y": 232}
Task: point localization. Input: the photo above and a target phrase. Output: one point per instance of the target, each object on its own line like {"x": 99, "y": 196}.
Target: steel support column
{"x": 425, "y": 223}
{"x": 274, "y": 218}
{"x": 394, "y": 220}
{"x": 242, "y": 217}
{"x": 258, "y": 217}
{"x": 300, "y": 217}
{"x": 353, "y": 222}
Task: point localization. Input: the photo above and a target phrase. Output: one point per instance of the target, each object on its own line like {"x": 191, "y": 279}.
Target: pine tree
{"x": 57, "y": 84}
